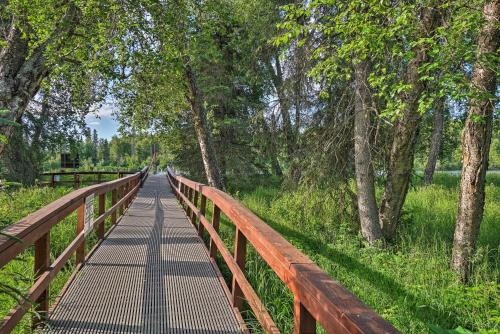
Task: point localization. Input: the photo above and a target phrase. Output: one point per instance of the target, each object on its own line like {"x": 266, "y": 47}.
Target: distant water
{"x": 457, "y": 172}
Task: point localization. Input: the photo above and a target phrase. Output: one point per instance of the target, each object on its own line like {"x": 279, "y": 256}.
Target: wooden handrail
{"x": 89, "y": 172}
{"x": 35, "y": 230}
{"x": 76, "y": 177}
{"x": 317, "y": 297}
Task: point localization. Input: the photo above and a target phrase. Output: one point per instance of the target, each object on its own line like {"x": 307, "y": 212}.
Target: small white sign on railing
{"x": 89, "y": 214}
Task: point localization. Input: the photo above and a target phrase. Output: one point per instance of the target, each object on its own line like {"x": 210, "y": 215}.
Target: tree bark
{"x": 436, "y": 140}
{"x": 22, "y": 70}
{"x": 365, "y": 181}
{"x": 476, "y": 140}
{"x": 405, "y": 133}
{"x": 20, "y": 77}
{"x": 271, "y": 145}
{"x": 207, "y": 148}
{"x": 288, "y": 130}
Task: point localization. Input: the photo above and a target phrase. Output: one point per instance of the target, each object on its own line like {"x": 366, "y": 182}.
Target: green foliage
{"x": 17, "y": 276}
{"x": 387, "y": 34}
{"x": 410, "y": 283}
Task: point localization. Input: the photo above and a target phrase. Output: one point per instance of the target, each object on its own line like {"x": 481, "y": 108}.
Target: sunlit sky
{"x": 103, "y": 121}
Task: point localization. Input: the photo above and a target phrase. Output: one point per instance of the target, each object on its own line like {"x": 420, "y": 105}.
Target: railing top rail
{"x": 22, "y": 234}
{"x": 87, "y": 172}
{"x": 332, "y": 305}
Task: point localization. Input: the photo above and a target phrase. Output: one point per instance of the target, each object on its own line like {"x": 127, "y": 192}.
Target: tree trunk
{"x": 208, "y": 154}
{"x": 22, "y": 70}
{"x": 436, "y": 140}
{"x": 476, "y": 139}
{"x": 405, "y": 133}
{"x": 288, "y": 130}
{"x": 365, "y": 182}
{"x": 271, "y": 145}
{"x": 20, "y": 78}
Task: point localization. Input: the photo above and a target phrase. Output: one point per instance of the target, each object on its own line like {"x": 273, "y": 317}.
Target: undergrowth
{"x": 17, "y": 276}
{"x": 409, "y": 283}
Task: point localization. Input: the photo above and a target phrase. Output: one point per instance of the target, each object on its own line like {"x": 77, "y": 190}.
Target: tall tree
{"x": 365, "y": 179}
{"x": 436, "y": 140}
{"x": 104, "y": 153}
{"x": 407, "y": 123}
{"x": 95, "y": 146}
{"x": 43, "y": 37}
{"x": 476, "y": 139}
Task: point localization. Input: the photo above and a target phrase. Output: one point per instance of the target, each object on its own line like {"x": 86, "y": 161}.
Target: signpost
{"x": 89, "y": 214}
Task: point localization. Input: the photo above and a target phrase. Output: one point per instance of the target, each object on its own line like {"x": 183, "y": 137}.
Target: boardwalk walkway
{"x": 152, "y": 274}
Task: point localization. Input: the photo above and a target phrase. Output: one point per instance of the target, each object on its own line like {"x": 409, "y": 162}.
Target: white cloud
{"x": 94, "y": 123}
{"x": 106, "y": 110}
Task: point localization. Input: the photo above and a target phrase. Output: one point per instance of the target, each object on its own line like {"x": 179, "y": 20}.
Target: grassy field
{"x": 18, "y": 274}
{"x": 409, "y": 283}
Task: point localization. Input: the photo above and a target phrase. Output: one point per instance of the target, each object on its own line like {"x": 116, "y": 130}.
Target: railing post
{"x": 181, "y": 191}
{"x": 190, "y": 199}
{"x": 195, "y": 202}
{"x": 102, "y": 208}
{"x": 80, "y": 225}
{"x": 240, "y": 252}
{"x": 304, "y": 323}
{"x": 215, "y": 224}
{"x": 203, "y": 207}
{"x": 42, "y": 263}
{"x": 120, "y": 191}
{"x": 113, "y": 202}
{"x": 127, "y": 189}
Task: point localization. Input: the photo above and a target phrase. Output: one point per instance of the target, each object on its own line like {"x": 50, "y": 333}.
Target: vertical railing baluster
{"x": 240, "y": 252}
{"x": 190, "y": 199}
{"x": 42, "y": 263}
{"x": 127, "y": 191}
{"x": 80, "y": 225}
{"x": 304, "y": 323}
{"x": 102, "y": 208}
{"x": 113, "y": 202}
{"x": 215, "y": 224}
{"x": 181, "y": 192}
{"x": 195, "y": 202}
{"x": 203, "y": 208}
{"x": 120, "y": 193}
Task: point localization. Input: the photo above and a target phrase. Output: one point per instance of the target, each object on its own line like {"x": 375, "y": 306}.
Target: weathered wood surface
{"x": 152, "y": 274}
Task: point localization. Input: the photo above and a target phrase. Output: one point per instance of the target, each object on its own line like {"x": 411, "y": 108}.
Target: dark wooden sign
{"x": 69, "y": 161}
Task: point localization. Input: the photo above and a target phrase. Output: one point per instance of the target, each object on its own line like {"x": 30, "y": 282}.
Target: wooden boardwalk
{"x": 152, "y": 274}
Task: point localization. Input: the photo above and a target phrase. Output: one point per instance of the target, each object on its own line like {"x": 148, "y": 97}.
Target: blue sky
{"x": 103, "y": 121}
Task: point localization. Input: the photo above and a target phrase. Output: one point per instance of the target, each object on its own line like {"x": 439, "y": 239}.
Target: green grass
{"x": 17, "y": 204}
{"x": 409, "y": 283}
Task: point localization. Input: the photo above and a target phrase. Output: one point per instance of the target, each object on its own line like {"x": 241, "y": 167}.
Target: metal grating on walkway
{"x": 151, "y": 275}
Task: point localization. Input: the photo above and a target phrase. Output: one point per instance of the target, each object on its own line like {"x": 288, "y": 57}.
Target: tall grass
{"x": 18, "y": 274}
{"x": 409, "y": 283}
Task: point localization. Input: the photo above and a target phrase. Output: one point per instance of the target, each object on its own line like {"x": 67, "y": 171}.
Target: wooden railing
{"x": 77, "y": 180}
{"x": 35, "y": 230}
{"x": 317, "y": 297}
